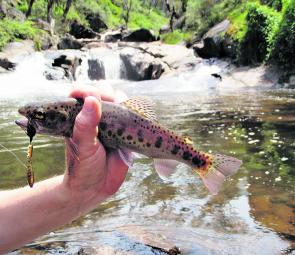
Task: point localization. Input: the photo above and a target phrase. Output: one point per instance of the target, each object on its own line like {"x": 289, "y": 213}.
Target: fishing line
{"x": 12, "y": 153}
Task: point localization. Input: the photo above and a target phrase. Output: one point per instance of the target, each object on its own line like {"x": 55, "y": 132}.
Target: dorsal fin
{"x": 143, "y": 106}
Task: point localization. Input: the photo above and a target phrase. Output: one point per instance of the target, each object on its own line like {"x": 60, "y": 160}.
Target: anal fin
{"x": 165, "y": 167}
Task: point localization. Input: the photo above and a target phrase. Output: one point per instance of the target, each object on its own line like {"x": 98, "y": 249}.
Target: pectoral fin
{"x": 126, "y": 156}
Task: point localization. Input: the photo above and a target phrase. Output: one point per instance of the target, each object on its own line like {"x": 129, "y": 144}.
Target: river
{"x": 253, "y": 214}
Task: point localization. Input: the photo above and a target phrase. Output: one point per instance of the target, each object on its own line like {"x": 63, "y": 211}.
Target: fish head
{"x": 51, "y": 118}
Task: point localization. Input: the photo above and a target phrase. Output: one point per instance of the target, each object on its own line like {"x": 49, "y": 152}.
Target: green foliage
{"x": 175, "y": 37}
{"x": 276, "y": 4}
{"x": 238, "y": 27}
{"x": 284, "y": 45}
{"x": 203, "y": 14}
{"x": 11, "y": 30}
{"x": 262, "y": 25}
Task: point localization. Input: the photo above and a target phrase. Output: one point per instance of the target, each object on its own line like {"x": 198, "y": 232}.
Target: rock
{"x": 172, "y": 57}
{"x": 164, "y": 29}
{"x": 3, "y": 9}
{"x": 96, "y": 69}
{"x": 96, "y": 23}
{"x": 140, "y": 35}
{"x": 212, "y": 44}
{"x": 113, "y": 37}
{"x": 141, "y": 66}
{"x": 16, "y": 51}
{"x": 93, "y": 45}
{"x": 68, "y": 64}
{"x": 55, "y": 74}
{"x": 79, "y": 31}
{"x": 69, "y": 42}
{"x": 6, "y": 64}
{"x": 8, "y": 9}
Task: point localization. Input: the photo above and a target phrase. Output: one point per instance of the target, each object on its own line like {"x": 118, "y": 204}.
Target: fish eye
{"x": 39, "y": 115}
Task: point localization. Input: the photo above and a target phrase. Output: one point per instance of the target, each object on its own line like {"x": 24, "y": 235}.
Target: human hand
{"x": 95, "y": 174}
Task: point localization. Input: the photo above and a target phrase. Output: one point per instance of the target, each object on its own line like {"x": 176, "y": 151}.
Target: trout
{"x": 133, "y": 126}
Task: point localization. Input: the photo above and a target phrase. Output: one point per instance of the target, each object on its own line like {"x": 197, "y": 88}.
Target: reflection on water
{"x": 253, "y": 214}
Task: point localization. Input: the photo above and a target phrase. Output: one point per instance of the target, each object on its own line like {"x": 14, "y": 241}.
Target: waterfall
{"x": 101, "y": 63}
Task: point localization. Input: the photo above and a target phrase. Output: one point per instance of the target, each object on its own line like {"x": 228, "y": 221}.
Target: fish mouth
{"x": 23, "y": 123}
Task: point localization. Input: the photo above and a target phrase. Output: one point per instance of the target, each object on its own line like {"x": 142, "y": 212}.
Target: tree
{"x": 67, "y": 8}
{"x": 29, "y": 11}
{"x": 127, "y": 6}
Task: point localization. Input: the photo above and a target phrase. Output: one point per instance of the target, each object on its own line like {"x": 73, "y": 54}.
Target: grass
{"x": 11, "y": 30}
{"x": 176, "y": 37}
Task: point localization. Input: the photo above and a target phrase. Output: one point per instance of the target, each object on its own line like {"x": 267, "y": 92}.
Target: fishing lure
{"x": 31, "y": 132}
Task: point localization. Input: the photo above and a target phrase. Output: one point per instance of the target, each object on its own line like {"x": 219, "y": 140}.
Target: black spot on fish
{"x": 158, "y": 142}
{"x": 103, "y": 126}
{"x": 175, "y": 149}
{"x": 129, "y": 137}
{"x": 109, "y": 133}
{"x": 186, "y": 155}
{"x": 120, "y": 131}
{"x": 140, "y": 136}
{"x": 196, "y": 160}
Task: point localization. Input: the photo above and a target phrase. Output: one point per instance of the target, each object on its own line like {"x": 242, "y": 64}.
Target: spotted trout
{"x": 132, "y": 125}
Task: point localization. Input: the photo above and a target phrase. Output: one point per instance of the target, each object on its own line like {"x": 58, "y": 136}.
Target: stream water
{"x": 253, "y": 214}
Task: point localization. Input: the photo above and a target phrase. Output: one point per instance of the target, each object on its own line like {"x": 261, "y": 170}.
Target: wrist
{"x": 79, "y": 198}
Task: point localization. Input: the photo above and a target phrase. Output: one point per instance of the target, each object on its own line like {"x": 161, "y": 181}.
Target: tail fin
{"x": 222, "y": 166}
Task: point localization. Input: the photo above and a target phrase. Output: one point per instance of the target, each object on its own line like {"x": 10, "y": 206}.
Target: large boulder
{"x": 69, "y": 42}
{"x": 80, "y": 31}
{"x": 140, "y": 66}
{"x": 96, "y": 23}
{"x": 140, "y": 35}
{"x": 213, "y": 44}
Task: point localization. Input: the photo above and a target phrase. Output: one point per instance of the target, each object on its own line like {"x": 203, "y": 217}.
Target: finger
{"x": 85, "y": 129}
{"x": 106, "y": 93}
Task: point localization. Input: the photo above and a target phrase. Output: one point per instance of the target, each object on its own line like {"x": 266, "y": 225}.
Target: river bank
{"x": 253, "y": 123}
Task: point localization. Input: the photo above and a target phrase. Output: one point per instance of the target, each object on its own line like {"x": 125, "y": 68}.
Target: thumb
{"x": 85, "y": 129}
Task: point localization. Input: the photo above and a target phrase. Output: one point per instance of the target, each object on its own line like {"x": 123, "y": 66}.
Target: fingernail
{"x": 88, "y": 105}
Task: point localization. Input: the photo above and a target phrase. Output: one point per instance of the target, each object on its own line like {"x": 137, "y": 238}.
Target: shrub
{"x": 11, "y": 30}
{"x": 262, "y": 26}
{"x": 284, "y": 44}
